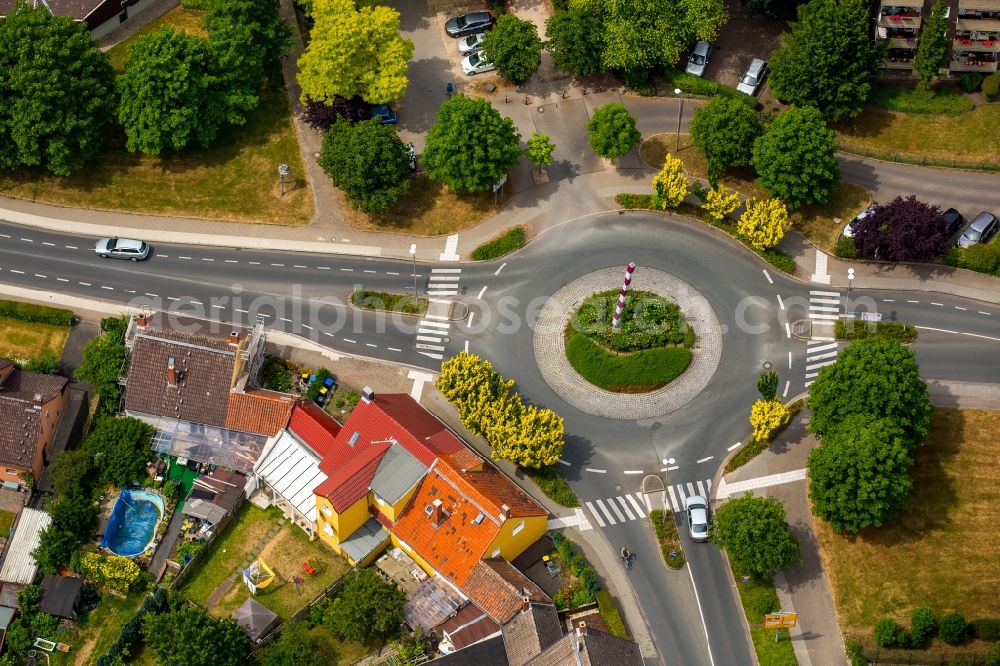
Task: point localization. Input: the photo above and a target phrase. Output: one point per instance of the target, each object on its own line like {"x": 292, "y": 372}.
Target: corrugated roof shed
{"x": 292, "y": 470}
{"x": 19, "y": 566}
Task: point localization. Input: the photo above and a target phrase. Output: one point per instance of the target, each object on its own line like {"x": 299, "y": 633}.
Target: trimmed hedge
{"x": 893, "y": 330}
{"x": 985, "y": 629}
{"x": 695, "y": 85}
{"x": 609, "y": 613}
{"x": 130, "y": 635}
{"x": 505, "y": 243}
{"x": 636, "y": 372}
{"x": 36, "y": 314}
{"x": 634, "y": 201}
{"x": 553, "y": 485}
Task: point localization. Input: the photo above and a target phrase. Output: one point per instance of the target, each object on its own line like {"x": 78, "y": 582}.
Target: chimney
{"x": 141, "y": 320}
{"x": 367, "y": 394}
{"x": 581, "y": 628}
{"x": 437, "y": 513}
{"x": 525, "y": 603}
{"x": 234, "y": 338}
{"x": 171, "y": 372}
{"x": 38, "y": 401}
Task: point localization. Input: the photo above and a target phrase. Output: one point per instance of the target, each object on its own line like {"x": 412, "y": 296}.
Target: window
{"x": 12, "y": 471}
{"x": 46, "y": 413}
{"x": 327, "y": 510}
{"x": 517, "y": 530}
{"x": 328, "y": 529}
{"x": 496, "y": 553}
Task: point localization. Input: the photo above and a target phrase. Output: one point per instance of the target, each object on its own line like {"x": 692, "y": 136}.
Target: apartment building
{"x": 973, "y": 28}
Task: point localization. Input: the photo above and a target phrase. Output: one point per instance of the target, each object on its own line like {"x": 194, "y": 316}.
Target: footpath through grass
{"x": 941, "y": 550}
{"x": 235, "y": 179}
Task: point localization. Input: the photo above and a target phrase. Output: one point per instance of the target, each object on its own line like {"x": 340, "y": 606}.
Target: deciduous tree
{"x": 934, "y": 46}
{"x": 858, "y": 474}
{"x": 367, "y": 609}
{"x": 720, "y": 203}
{"x": 576, "y": 40}
{"x": 188, "y": 636}
{"x": 902, "y": 230}
{"x": 354, "y": 52}
{"x": 514, "y": 47}
{"x": 875, "y": 376}
{"x": 525, "y": 435}
{"x": 56, "y": 90}
{"x": 828, "y": 59}
{"x": 724, "y": 131}
{"x": 794, "y": 159}
{"x": 612, "y": 131}
{"x": 670, "y": 185}
{"x": 120, "y": 447}
{"x": 754, "y": 534}
{"x": 368, "y": 162}
{"x": 103, "y": 358}
{"x": 470, "y": 383}
{"x": 322, "y": 115}
{"x": 540, "y": 149}
{"x": 470, "y": 146}
{"x": 55, "y": 549}
{"x": 295, "y": 646}
{"x": 763, "y": 223}
{"x": 172, "y": 94}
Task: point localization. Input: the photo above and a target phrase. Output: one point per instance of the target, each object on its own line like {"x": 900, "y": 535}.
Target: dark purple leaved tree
{"x": 320, "y": 116}
{"x": 902, "y": 230}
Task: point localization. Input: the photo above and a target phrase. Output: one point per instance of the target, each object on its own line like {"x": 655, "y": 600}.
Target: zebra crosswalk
{"x": 824, "y": 305}
{"x": 636, "y": 506}
{"x": 684, "y": 490}
{"x": 443, "y": 282}
{"x": 819, "y": 353}
{"x": 432, "y": 330}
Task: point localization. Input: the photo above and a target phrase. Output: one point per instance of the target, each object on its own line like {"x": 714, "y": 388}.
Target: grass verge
{"x": 181, "y": 19}
{"x": 233, "y": 180}
{"x": 609, "y": 613}
{"x": 429, "y": 209}
{"x": 385, "y": 301}
{"x": 754, "y": 448}
{"x": 634, "y": 372}
{"x": 553, "y": 485}
{"x": 820, "y": 223}
{"x": 970, "y": 139}
{"x": 941, "y": 549}
{"x": 505, "y": 243}
{"x": 852, "y": 330}
{"x": 667, "y": 537}
{"x": 757, "y": 600}
{"x": 23, "y": 340}
{"x": 6, "y": 522}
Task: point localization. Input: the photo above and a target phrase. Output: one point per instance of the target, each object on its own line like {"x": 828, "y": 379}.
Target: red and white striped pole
{"x": 617, "y": 322}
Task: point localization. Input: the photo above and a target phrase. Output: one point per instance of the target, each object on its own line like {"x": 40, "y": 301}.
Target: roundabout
{"x": 559, "y": 374}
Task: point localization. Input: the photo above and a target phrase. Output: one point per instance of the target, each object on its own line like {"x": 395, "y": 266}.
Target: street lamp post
{"x": 413, "y": 255}
{"x": 850, "y": 281}
{"x": 680, "y": 112}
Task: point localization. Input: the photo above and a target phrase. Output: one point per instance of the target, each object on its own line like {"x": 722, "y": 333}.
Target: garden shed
{"x": 255, "y": 619}
{"x": 61, "y": 596}
{"x": 18, "y": 565}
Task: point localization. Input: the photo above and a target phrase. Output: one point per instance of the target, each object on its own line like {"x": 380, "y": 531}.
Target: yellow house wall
{"x": 393, "y": 511}
{"x": 511, "y": 545}
{"x": 428, "y": 569}
{"x": 343, "y": 524}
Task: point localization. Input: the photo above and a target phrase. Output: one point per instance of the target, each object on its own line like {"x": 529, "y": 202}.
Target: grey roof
{"x": 484, "y": 653}
{"x": 6, "y": 615}
{"x": 365, "y": 540}
{"x": 590, "y": 647}
{"x": 531, "y": 632}
{"x": 199, "y": 508}
{"x": 18, "y": 565}
{"x": 397, "y": 472}
{"x": 255, "y": 619}
{"x": 60, "y": 595}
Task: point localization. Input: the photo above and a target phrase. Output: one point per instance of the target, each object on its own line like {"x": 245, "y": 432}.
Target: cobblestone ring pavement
{"x": 550, "y": 352}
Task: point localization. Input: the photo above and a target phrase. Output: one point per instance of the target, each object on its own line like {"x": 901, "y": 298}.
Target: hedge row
{"x": 503, "y": 244}
{"x": 131, "y": 633}
{"x": 36, "y": 314}
{"x": 852, "y": 330}
{"x": 577, "y": 564}
{"x": 609, "y": 613}
{"x": 695, "y": 85}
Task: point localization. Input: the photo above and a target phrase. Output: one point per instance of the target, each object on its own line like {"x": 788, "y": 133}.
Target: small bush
{"x": 504, "y": 244}
{"x": 981, "y": 257}
{"x": 277, "y": 376}
{"x": 845, "y": 248}
{"x": 985, "y": 629}
{"x": 625, "y": 200}
{"x": 856, "y": 330}
{"x": 553, "y": 485}
{"x": 886, "y": 632}
{"x": 639, "y": 82}
{"x": 855, "y": 654}
{"x": 991, "y": 86}
{"x": 923, "y": 624}
{"x": 609, "y": 613}
{"x": 46, "y": 364}
{"x": 952, "y": 628}
{"x": 780, "y": 260}
{"x": 954, "y": 257}
{"x": 36, "y": 314}
{"x": 970, "y": 81}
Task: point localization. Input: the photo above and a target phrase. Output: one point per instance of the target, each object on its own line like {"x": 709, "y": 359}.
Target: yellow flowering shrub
{"x": 766, "y": 417}
{"x": 720, "y": 202}
{"x": 764, "y": 223}
{"x": 670, "y": 185}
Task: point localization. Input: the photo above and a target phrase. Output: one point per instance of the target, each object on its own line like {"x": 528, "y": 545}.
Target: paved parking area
{"x": 743, "y": 38}
{"x": 564, "y": 123}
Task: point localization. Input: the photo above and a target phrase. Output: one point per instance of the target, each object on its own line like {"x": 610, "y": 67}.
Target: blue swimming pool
{"x": 132, "y": 526}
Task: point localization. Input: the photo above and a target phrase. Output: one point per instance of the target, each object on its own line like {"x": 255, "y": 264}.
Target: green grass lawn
{"x": 96, "y": 631}
{"x": 755, "y": 598}
{"x": 22, "y": 340}
{"x": 235, "y": 179}
{"x": 941, "y": 549}
{"x": 634, "y": 372}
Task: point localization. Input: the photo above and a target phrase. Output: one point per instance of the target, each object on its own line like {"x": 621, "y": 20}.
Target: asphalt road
{"x": 305, "y": 294}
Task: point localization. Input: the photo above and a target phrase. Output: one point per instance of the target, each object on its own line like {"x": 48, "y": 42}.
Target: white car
{"x": 476, "y": 63}
{"x": 852, "y": 226}
{"x": 467, "y": 45}
{"x": 697, "y": 517}
{"x": 751, "y": 79}
{"x": 698, "y": 59}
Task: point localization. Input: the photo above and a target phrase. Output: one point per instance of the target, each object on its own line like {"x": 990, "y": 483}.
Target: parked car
{"x": 753, "y": 77}
{"x": 467, "y": 45}
{"x": 852, "y": 226}
{"x": 385, "y": 114}
{"x": 953, "y": 221}
{"x": 121, "y": 248}
{"x": 697, "y": 516}
{"x": 699, "y": 59}
{"x": 980, "y": 231}
{"x": 467, "y": 24}
{"x": 476, "y": 63}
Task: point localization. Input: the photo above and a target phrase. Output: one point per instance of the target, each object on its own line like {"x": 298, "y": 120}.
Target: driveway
{"x": 743, "y": 38}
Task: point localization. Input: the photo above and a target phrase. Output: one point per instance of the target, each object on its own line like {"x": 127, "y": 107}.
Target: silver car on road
{"x": 697, "y": 517}
{"x": 122, "y": 248}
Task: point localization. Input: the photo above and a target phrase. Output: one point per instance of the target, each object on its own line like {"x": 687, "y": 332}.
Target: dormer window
{"x": 354, "y": 438}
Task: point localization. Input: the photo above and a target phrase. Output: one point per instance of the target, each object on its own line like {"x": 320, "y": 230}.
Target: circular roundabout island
{"x": 650, "y": 348}
{"x": 666, "y": 351}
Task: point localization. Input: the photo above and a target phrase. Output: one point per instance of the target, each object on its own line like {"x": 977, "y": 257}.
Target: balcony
{"x": 977, "y": 24}
{"x": 897, "y": 63}
{"x": 973, "y": 62}
{"x": 978, "y": 46}
{"x": 982, "y": 5}
{"x": 903, "y": 43}
{"x": 898, "y": 21}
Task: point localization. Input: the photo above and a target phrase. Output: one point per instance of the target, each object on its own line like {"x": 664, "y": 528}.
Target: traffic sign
{"x": 871, "y": 316}
{"x": 780, "y": 620}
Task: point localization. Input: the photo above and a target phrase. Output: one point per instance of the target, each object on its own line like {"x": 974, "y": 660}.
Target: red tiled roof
{"x": 19, "y": 414}
{"x": 315, "y": 427}
{"x": 259, "y": 411}
{"x": 349, "y": 483}
{"x": 489, "y": 486}
{"x": 499, "y": 589}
